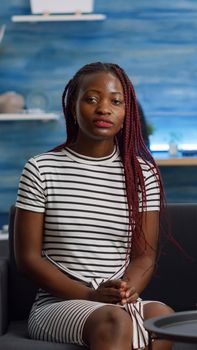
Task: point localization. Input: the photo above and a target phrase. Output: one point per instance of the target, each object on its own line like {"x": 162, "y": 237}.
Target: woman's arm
{"x": 28, "y": 247}
{"x": 140, "y": 270}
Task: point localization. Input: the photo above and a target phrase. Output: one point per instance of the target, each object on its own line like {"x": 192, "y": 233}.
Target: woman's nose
{"x": 103, "y": 107}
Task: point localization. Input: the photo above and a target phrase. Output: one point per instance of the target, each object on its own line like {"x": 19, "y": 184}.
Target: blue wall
{"x": 155, "y": 42}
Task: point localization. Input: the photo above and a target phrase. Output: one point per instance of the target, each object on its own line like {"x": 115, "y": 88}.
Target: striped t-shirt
{"x": 85, "y": 206}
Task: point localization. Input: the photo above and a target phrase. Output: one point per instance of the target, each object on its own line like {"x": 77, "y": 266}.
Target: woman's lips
{"x": 103, "y": 123}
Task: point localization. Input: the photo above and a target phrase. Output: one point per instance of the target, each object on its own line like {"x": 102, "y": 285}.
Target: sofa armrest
{"x": 3, "y": 295}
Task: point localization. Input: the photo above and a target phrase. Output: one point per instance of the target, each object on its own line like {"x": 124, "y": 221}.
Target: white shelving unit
{"x": 29, "y": 116}
{"x": 50, "y": 18}
{"x": 3, "y": 236}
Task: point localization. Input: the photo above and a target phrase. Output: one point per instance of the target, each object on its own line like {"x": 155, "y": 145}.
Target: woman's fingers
{"x": 129, "y": 296}
{"x": 116, "y": 291}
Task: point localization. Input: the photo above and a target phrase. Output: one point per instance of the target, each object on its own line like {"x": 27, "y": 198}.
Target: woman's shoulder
{"x": 149, "y": 170}
{"x": 146, "y": 165}
{"x": 46, "y": 159}
{"x": 47, "y": 156}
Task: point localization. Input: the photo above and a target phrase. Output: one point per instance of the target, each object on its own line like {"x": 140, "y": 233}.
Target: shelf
{"x": 29, "y": 116}
{"x": 180, "y": 161}
{"x": 48, "y": 18}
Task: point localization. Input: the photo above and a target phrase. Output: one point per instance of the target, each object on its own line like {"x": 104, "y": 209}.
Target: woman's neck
{"x": 94, "y": 150}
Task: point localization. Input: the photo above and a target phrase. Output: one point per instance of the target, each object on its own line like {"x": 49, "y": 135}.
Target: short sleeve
{"x": 31, "y": 193}
{"x": 152, "y": 188}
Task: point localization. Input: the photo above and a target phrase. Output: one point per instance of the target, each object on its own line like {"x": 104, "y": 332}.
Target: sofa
{"x": 174, "y": 283}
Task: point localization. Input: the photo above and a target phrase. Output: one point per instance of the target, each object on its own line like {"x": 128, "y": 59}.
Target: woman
{"x": 87, "y": 220}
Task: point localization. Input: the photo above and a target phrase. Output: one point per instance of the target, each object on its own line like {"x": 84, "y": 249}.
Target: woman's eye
{"x": 91, "y": 99}
{"x": 116, "y": 101}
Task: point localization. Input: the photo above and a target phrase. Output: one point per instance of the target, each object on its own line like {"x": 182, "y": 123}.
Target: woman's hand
{"x": 108, "y": 292}
{"x": 115, "y": 292}
{"x": 128, "y": 293}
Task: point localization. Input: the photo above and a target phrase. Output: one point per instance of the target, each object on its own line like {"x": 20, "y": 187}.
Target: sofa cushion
{"x": 17, "y": 338}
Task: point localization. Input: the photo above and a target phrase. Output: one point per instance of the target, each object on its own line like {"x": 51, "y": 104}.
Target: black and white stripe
{"x": 85, "y": 207}
{"x": 86, "y": 218}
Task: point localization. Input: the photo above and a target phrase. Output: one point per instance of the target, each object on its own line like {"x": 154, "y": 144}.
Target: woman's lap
{"x": 64, "y": 321}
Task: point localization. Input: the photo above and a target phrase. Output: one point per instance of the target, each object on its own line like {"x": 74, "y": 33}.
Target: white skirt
{"x": 62, "y": 321}
{"x": 57, "y": 320}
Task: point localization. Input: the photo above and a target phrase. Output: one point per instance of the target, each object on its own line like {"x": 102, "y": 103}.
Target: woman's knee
{"x": 154, "y": 309}
{"x": 109, "y": 323}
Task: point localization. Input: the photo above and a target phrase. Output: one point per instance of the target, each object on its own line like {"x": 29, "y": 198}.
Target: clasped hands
{"x": 115, "y": 292}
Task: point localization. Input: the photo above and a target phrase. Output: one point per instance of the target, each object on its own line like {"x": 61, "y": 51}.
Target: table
{"x": 179, "y": 327}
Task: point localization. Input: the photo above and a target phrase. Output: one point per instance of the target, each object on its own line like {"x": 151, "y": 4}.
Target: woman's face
{"x": 100, "y": 106}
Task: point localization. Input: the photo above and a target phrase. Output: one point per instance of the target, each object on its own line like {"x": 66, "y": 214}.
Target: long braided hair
{"x": 129, "y": 139}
